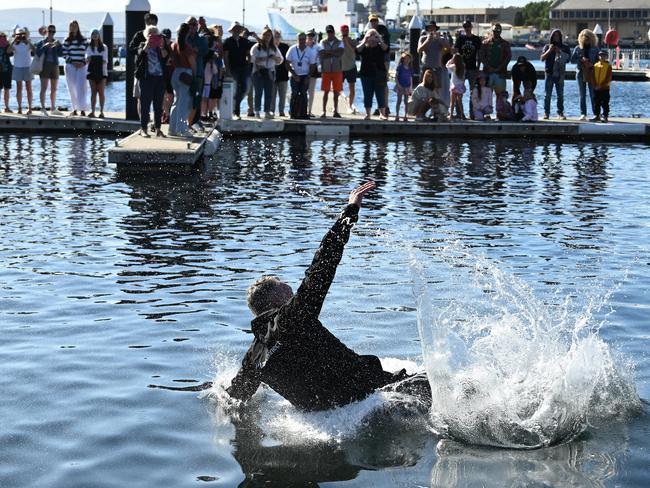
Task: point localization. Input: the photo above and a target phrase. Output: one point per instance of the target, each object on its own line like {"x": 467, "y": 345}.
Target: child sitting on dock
{"x": 482, "y": 99}
{"x": 530, "y": 106}
{"x": 425, "y": 99}
{"x": 503, "y": 107}
{"x": 602, "y": 82}
{"x": 403, "y": 84}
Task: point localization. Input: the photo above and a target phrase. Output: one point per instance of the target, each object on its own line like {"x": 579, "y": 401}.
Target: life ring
{"x": 611, "y": 38}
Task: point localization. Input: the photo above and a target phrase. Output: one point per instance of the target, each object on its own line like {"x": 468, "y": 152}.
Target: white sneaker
{"x": 583, "y": 117}
{"x": 197, "y": 128}
{"x": 44, "y": 113}
{"x": 236, "y": 117}
{"x": 56, "y": 112}
{"x": 268, "y": 115}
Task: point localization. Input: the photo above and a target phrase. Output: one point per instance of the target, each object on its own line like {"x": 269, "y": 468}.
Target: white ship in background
{"x": 294, "y": 16}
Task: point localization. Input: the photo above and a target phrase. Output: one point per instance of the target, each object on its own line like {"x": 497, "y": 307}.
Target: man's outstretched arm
{"x": 311, "y": 294}
{"x": 247, "y": 381}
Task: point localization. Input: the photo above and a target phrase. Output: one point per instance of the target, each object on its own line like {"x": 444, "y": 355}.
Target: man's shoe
{"x": 545, "y": 116}
{"x": 561, "y": 117}
{"x": 268, "y": 115}
{"x": 595, "y": 119}
{"x": 605, "y": 120}
{"x": 583, "y": 117}
{"x": 323, "y": 115}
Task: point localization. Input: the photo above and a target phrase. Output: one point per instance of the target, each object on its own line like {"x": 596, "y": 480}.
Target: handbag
{"x": 37, "y": 64}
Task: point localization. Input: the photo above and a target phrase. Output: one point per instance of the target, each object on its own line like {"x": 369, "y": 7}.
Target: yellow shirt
{"x": 602, "y": 75}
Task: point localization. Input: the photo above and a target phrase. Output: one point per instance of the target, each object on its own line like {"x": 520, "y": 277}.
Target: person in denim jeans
{"x": 555, "y": 56}
{"x": 184, "y": 59}
{"x": 236, "y": 50}
{"x": 585, "y": 55}
{"x": 265, "y": 56}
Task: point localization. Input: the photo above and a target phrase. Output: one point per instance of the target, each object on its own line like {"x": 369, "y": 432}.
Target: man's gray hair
{"x": 262, "y": 294}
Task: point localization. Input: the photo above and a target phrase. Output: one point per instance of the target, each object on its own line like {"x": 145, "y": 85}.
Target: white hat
{"x": 20, "y": 30}
{"x": 235, "y": 25}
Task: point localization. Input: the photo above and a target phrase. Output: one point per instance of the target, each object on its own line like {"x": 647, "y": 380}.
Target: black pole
{"x": 107, "y": 37}
{"x": 415, "y": 29}
{"x": 135, "y": 11}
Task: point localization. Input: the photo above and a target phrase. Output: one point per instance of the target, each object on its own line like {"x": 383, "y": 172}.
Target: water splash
{"x": 509, "y": 369}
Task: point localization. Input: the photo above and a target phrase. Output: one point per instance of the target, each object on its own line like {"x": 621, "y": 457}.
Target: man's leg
{"x": 548, "y": 90}
{"x": 559, "y": 92}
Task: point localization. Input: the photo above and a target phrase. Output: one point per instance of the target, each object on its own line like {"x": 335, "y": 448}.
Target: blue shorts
{"x": 496, "y": 82}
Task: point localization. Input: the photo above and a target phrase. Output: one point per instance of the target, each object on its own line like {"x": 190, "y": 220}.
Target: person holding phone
{"x": 150, "y": 63}
{"x": 51, "y": 49}
{"x": 6, "y": 69}
{"x": 23, "y": 50}
{"x": 97, "y": 60}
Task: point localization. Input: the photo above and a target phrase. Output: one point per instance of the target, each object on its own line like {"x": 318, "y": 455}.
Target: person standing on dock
{"x": 349, "y": 65}
{"x": 373, "y": 72}
{"x": 22, "y": 50}
{"x": 236, "y": 50}
{"x": 150, "y": 64}
{"x": 6, "y": 69}
{"x": 300, "y": 62}
{"x": 313, "y": 45}
{"x": 331, "y": 53}
{"x": 279, "y": 96}
{"x": 585, "y": 55}
{"x": 431, "y": 46}
{"x": 495, "y": 54}
{"x": 184, "y": 59}
{"x": 97, "y": 59}
{"x": 468, "y": 46}
{"x": 51, "y": 49}
{"x": 602, "y": 82}
{"x": 265, "y": 56}
{"x": 74, "y": 51}
{"x": 382, "y": 30}
{"x": 555, "y": 56}
{"x": 138, "y": 38}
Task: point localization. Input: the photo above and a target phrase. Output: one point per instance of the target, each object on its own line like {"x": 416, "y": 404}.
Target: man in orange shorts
{"x": 331, "y": 54}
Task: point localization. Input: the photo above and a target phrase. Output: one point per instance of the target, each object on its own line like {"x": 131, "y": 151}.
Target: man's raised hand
{"x": 356, "y": 195}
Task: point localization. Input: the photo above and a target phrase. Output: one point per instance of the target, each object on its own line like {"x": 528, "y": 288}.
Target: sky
{"x": 231, "y": 9}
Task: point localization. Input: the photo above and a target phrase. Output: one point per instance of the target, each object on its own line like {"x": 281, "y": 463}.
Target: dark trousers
{"x": 242, "y": 78}
{"x": 263, "y": 84}
{"x": 374, "y": 86}
{"x": 152, "y": 89}
{"x": 601, "y": 102}
{"x": 299, "y": 91}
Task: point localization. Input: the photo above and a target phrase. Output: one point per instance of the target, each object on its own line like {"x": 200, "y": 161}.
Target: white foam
{"x": 508, "y": 369}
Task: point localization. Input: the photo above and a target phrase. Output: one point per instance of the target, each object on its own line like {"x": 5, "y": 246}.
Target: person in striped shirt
{"x": 74, "y": 52}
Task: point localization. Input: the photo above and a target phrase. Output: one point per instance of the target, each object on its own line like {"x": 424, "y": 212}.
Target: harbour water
{"x": 525, "y": 261}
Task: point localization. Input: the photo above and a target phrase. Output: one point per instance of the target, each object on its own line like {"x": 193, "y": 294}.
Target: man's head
{"x": 373, "y": 20}
{"x": 496, "y": 31}
{"x": 235, "y": 29}
{"x": 150, "y": 19}
{"x": 345, "y": 30}
{"x": 193, "y": 23}
{"x": 432, "y": 26}
{"x": 311, "y": 37}
{"x": 331, "y": 33}
{"x": 467, "y": 25}
{"x": 267, "y": 293}
{"x": 302, "y": 40}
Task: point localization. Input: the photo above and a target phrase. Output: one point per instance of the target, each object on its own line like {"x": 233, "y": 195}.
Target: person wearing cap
{"x": 602, "y": 83}
{"x": 134, "y": 46}
{"x": 236, "y": 50}
{"x": 555, "y": 56}
{"x": 523, "y": 75}
{"x": 330, "y": 54}
{"x": 495, "y": 54}
{"x": 431, "y": 46}
{"x": 6, "y": 68}
{"x": 97, "y": 61}
{"x": 349, "y": 65}
{"x": 300, "y": 62}
{"x": 314, "y": 74}
{"x": 468, "y": 46}
{"x": 51, "y": 49}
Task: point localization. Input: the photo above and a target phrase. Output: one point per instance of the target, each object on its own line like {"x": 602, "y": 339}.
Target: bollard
{"x": 107, "y": 37}
{"x": 134, "y": 11}
{"x": 225, "y": 106}
{"x": 415, "y": 29}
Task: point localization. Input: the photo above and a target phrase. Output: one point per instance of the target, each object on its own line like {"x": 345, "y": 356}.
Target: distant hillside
{"x": 32, "y": 18}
